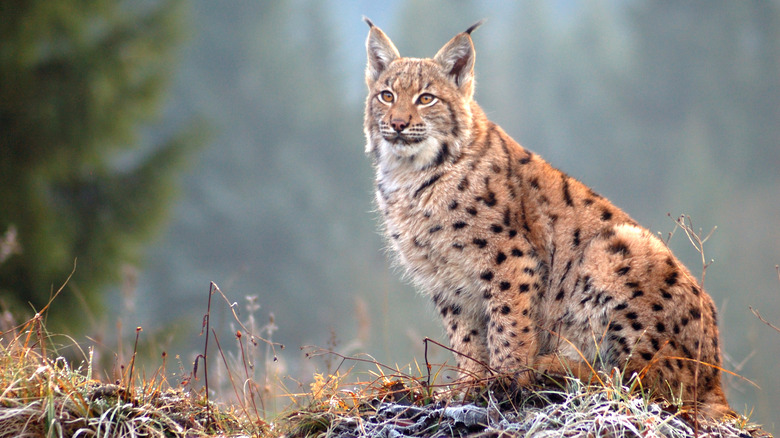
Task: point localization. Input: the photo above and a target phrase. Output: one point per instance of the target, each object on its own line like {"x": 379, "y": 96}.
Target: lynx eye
{"x": 425, "y": 99}
{"x": 386, "y": 96}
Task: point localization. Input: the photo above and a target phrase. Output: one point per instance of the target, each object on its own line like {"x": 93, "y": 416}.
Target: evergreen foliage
{"x": 78, "y": 81}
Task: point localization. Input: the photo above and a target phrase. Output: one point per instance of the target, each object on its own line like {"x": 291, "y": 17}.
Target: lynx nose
{"x": 399, "y": 124}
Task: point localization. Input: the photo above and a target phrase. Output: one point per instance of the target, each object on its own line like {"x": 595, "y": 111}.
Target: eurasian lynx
{"x": 529, "y": 268}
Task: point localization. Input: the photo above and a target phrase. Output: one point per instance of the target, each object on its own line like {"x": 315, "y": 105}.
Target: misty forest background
{"x": 162, "y": 145}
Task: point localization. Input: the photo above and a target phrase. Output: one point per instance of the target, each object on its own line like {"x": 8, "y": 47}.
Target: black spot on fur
{"x": 576, "y": 239}
{"x": 566, "y": 192}
{"x": 489, "y": 199}
{"x": 660, "y": 327}
{"x": 486, "y": 294}
{"x": 619, "y": 247}
{"x": 459, "y": 225}
{"x": 426, "y": 184}
{"x": 480, "y": 242}
{"x": 435, "y": 228}
{"x": 504, "y": 285}
{"x": 534, "y": 182}
{"x": 631, "y": 315}
{"x": 487, "y": 275}
{"x": 512, "y": 233}
{"x": 560, "y": 295}
{"x": 471, "y": 210}
{"x": 524, "y": 287}
{"x": 623, "y": 271}
{"x": 453, "y": 205}
{"x": 671, "y": 279}
{"x": 636, "y": 325}
{"x": 444, "y": 152}
{"x": 637, "y": 293}
{"x": 621, "y": 306}
{"x": 695, "y": 313}
{"x": 496, "y": 228}
{"x": 455, "y": 309}
{"x": 516, "y": 252}
{"x": 665, "y": 294}
{"x": 657, "y": 307}
{"x": 505, "y": 309}
{"x": 500, "y": 258}
{"x": 695, "y": 289}
{"x": 459, "y": 246}
{"x": 606, "y": 215}
{"x": 645, "y": 355}
{"x": 463, "y": 184}
{"x": 615, "y": 327}
{"x": 588, "y": 284}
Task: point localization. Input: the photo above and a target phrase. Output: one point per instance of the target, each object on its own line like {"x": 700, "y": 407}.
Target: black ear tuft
{"x": 371, "y": 23}
{"x": 469, "y": 30}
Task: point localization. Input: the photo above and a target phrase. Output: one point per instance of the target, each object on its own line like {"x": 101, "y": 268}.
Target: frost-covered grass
{"x": 400, "y": 405}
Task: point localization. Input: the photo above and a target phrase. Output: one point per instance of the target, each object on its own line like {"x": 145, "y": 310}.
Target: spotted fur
{"x": 528, "y": 267}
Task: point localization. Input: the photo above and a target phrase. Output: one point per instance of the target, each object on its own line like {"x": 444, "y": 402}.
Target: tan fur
{"x": 528, "y": 267}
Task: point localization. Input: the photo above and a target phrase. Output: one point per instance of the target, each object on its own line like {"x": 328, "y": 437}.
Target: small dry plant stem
{"x": 129, "y": 384}
{"x": 686, "y": 224}
{"x": 230, "y": 376}
{"x": 427, "y": 363}
{"x": 758, "y": 315}
{"x": 205, "y": 325}
{"x": 248, "y": 381}
{"x": 487, "y": 367}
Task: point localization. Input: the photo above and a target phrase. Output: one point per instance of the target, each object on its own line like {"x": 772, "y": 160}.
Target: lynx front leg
{"x": 511, "y": 333}
{"x": 468, "y": 337}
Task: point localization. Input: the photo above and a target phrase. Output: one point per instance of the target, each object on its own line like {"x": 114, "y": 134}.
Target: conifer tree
{"x": 76, "y": 181}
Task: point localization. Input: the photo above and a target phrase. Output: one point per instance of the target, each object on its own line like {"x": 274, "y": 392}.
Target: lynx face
{"x": 414, "y": 104}
{"x": 529, "y": 269}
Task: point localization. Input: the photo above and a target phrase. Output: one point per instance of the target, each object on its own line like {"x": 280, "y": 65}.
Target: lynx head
{"x": 418, "y": 111}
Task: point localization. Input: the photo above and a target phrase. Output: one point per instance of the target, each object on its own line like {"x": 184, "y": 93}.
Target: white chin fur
{"x": 418, "y": 155}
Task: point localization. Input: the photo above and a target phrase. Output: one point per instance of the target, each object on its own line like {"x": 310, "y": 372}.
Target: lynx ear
{"x": 457, "y": 60}
{"x": 381, "y": 52}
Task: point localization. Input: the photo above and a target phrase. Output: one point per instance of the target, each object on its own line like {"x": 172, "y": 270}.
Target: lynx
{"x": 529, "y": 268}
